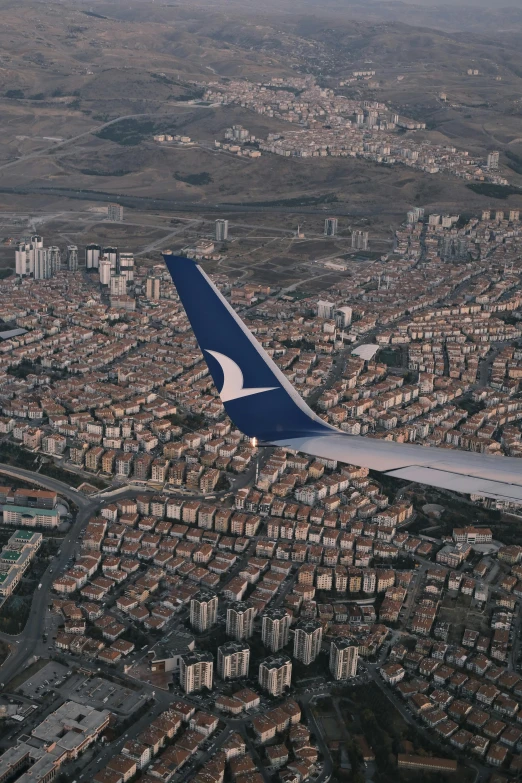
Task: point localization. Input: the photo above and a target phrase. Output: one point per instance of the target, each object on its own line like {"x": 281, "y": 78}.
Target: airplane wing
{"x": 264, "y": 405}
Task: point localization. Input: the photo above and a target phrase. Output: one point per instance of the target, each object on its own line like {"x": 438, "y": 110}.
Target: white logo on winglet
{"x": 233, "y": 379}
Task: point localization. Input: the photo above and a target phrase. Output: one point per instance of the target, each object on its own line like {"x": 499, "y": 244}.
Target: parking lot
{"x": 45, "y": 681}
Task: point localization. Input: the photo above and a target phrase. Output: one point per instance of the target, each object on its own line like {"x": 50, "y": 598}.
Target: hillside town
{"x": 330, "y": 124}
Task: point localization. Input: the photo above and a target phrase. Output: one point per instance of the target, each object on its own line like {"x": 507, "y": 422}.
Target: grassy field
{"x": 128, "y": 133}
{"x": 14, "y": 613}
{"x": 392, "y": 357}
{"x": 494, "y": 191}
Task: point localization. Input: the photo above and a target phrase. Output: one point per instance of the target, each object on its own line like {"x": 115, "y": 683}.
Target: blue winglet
{"x": 256, "y": 395}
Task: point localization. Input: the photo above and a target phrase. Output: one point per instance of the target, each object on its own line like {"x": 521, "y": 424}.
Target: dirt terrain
{"x": 85, "y": 86}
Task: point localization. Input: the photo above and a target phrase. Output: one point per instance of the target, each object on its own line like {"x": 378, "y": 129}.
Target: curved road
{"x": 47, "y": 482}
{"x": 42, "y": 153}
{"x": 25, "y": 644}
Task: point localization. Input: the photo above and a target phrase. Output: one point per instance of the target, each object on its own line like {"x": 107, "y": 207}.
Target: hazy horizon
{"x": 483, "y": 4}
{"x": 438, "y": 3}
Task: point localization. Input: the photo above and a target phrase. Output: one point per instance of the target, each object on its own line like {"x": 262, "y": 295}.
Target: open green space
{"x": 13, "y": 455}
{"x": 25, "y": 674}
{"x": 192, "y": 94}
{"x": 128, "y": 133}
{"x": 392, "y": 357}
{"x": 493, "y": 191}
{"x": 197, "y": 178}
{"x": 14, "y": 613}
{"x": 300, "y": 201}
{"x": 53, "y": 471}
{"x": 367, "y": 711}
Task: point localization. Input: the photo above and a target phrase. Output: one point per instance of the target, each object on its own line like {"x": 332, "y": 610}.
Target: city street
{"x": 29, "y": 642}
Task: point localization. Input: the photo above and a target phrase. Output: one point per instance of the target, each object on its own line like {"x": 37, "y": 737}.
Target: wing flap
{"x": 459, "y": 471}
{"x": 458, "y": 482}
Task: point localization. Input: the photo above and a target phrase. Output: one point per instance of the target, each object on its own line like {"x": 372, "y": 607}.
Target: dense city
{"x": 260, "y": 391}
{"x": 208, "y": 608}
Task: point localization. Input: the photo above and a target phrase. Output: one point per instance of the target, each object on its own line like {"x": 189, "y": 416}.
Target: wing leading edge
{"x": 263, "y": 404}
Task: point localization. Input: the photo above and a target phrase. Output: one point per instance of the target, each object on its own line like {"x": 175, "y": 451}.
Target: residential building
{"x": 275, "y": 629}
{"x": 203, "y": 611}
{"x": 360, "y": 240}
{"x": 126, "y": 267}
{"x": 221, "y": 230}
{"x": 196, "y": 671}
{"x": 30, "y": 517}
{"x": 92, "y": 256}
{"x": 343, "y": 659}
{"x": 240, "y": 621}
{"x": 115, "y": 212}
{"x": 308, "y": 637}
{"x": 325, "y": 309}
{"x": 118, "y": 284}
{"x": 330, "y": 227}
{"x": 275, "y": 674}
{"x": 233, "y": 660}
{"x": 72, "y": 258}
{"x": 343, "y": 317}
{"x": 153, "y": 287}
{"x": 493, "y": 160}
